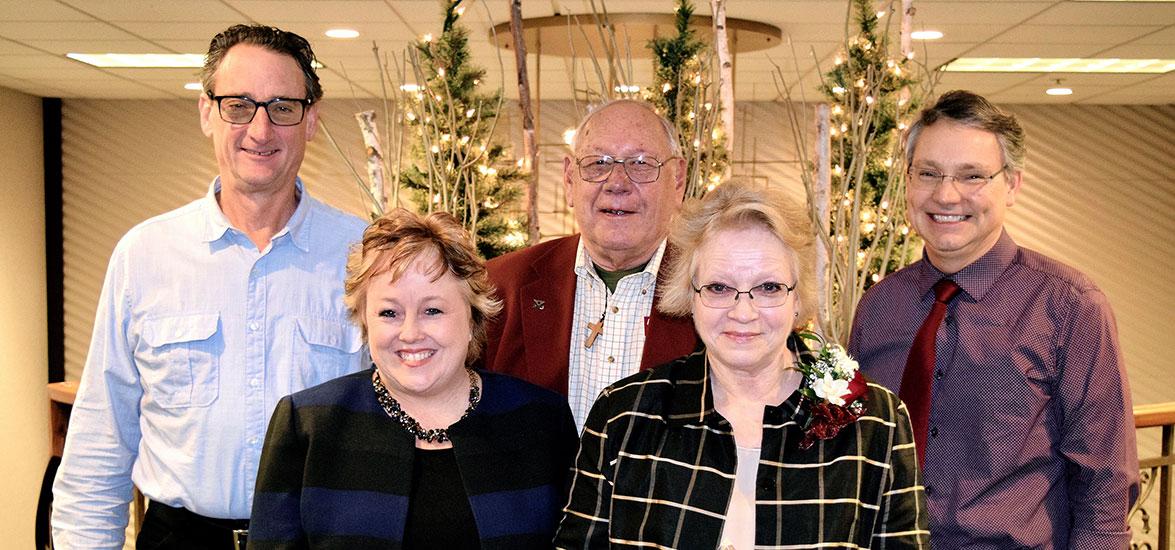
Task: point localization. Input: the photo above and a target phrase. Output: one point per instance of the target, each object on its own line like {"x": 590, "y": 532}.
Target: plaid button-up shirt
{"x": 616, "y": 353}
{"x": 656, "y": 468}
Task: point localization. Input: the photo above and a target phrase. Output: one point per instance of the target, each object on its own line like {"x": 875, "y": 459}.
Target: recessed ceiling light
{"x": 141, "y": 60}
{"x": 342, "y": 33}
{"x": 194, "y": 86}
{"x": 1058, "y": 65}
{"x": 926, "y": 35}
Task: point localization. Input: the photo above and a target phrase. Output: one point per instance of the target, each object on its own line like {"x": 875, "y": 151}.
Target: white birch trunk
{"x": 725, "y": 74}
{"x": 821, "y": 197}
{"x": 375, "y": 160}
{"x": 529, "y": 145}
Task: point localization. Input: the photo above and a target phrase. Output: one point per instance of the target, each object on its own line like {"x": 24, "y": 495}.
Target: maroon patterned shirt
{"x": 1031, "y": 437}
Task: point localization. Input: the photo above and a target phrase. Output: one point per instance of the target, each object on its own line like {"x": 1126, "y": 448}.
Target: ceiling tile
{"x": 158, "y": 30}
{"x": 194, "y": 45}
{"x": 1060, "y": 51}
{"x": 981, "y": 81}
{"x": 154, "y": 10}
{"x": 1108, "y": 13}
{"x": 38, "y": 10}
{"x": 1071, "y": 34}
{"x": 320, "y": 11}
{"x": 983, "y": 12}
{"x": 55, "y": 72}
{"x": 1140, "y": 51}
{"x": 159, "y": 75}
{"x": 81, "y": 45}
{"x": 1108, "y": 80}
{"x": 8, "y": 47}
{"x": 40, "y": 30}
{"x": 1165, "y": 35}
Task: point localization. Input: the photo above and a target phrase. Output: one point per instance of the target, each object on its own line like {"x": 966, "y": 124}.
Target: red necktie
{"x": 916, "y": 379}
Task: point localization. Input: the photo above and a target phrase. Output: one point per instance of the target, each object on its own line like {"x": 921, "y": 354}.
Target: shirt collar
{"x": 583, "y": 262}
{"x": 216, "y": 224}
{"x": 979, "y": 276}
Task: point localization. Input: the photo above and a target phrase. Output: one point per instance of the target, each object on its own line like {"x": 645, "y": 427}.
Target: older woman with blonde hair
{"x": 419, "y": 451}
{"x": 765, "y": 438}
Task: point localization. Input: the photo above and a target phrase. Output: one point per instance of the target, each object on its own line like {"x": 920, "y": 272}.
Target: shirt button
{"x": 253, "y": 441}
{"x": 644, "y": 291}
{"x": 934, "y": 431}
{"x": 929, "y": 490}
{"x": 938, "y": 374}
{"x": 611, "y": 359}
{"x": 254, "y": 325}
{"x": 615, "y": 309}
{"x": 254, "y": 382}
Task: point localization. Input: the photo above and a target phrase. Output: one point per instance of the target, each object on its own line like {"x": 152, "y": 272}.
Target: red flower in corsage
{"x": 833, "y": 390}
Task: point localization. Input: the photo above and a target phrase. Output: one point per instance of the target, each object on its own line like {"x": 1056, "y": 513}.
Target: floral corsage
{"x": 833, "y": 389}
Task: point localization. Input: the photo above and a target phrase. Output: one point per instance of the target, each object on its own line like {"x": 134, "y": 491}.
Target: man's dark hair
{"x": 271, "y": 38}
{"x": 971, "y": 109}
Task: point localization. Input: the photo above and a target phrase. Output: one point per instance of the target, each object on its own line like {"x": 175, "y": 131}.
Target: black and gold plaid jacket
{"x": 656, "y": 468}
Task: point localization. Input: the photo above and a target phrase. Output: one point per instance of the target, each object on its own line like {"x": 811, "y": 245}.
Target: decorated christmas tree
{"x": 457, "y": 166}
{"x": 683, "y": 91}
{"x": 872, "y": 94}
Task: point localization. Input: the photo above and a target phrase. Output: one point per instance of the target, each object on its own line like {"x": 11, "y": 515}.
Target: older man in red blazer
{"x": 579, "y": 312}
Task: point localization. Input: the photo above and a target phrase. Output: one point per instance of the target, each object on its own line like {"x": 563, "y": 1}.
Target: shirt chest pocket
{"x": 179, "y": 360}
{"x": 325, "y": 349}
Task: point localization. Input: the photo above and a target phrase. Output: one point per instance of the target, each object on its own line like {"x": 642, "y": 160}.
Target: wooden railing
{"x": 1156, "y": 471}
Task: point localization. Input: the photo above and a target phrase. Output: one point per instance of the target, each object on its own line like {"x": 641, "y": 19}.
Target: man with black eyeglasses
{"x": 208, "y": 315}
{"x": 579, "y": 311}
{"x": 1007, "y": 360}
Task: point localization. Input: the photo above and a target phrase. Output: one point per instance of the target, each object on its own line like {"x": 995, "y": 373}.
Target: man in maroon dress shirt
{"x": 1030, "y": 437}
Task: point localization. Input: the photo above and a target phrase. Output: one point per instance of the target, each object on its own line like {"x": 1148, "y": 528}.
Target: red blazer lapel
{"x": 548, "y": 306}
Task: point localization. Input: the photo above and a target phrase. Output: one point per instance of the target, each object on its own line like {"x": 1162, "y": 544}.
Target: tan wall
{"x": 24, "y": 410}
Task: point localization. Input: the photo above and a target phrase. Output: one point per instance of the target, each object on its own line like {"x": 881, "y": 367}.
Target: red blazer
{"x": 531, "y": 337}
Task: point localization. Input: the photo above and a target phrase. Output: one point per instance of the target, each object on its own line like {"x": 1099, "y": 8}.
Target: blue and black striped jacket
{"x": 336, "y": 470}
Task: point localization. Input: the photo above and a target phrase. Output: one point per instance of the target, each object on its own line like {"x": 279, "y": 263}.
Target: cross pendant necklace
{"x": 595, "y": 329}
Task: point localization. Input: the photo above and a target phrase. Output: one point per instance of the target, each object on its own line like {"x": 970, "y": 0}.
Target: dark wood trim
{"x": 54, "y": 245}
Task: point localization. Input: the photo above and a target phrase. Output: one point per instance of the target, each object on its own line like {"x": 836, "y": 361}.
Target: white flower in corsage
{"x": 833, "y": 389}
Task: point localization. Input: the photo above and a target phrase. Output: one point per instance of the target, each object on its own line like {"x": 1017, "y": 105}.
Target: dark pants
{"x": 167, "y": 528}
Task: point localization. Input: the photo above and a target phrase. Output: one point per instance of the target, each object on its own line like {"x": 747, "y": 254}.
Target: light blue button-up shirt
{"x": 197, "y": 336}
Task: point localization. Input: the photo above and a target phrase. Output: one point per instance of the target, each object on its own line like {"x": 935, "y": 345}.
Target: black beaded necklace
{"x": 435, "y": 435}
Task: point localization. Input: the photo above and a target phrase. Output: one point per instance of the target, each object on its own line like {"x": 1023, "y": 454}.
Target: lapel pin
{"x": 540, "y": 304}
